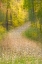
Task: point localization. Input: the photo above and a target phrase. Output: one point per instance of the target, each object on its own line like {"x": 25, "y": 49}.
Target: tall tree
{"x": 39, "y": 15}
{"x": 29, "y": 4}
{"x": 8, "y": 4}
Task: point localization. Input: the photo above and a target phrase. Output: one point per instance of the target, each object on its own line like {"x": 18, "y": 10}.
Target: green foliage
{"x": 29, "y": 4}
{"x": 25, "y": 4}
{"x": 39, "y": 14}
{"x": 34, "y": 34}
{"x": 2, "y": 16}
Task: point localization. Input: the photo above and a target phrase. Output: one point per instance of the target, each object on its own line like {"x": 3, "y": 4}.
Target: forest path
{"x": 20, "y": 44}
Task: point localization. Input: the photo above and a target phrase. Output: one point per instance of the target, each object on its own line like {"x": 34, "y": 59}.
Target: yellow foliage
{"x": 33, "y": 25}
{"x": 15, "y": 23}
{"x": 2, "y": 29}
{"x": 38, "y": 24}
{"x": 17, "y": 7}
{"x": 34, "y": 34}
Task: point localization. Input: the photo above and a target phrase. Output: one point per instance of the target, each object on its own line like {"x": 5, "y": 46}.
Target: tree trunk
{"x": 7, "y": 19}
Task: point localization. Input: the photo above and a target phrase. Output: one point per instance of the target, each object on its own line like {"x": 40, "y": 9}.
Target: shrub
{"x": 33, "y": 33}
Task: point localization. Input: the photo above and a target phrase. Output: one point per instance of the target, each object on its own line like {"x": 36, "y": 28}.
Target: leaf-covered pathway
{"x": 18, "y": 44}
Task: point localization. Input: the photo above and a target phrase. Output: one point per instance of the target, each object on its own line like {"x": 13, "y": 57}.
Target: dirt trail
{"x": 21, "y": 45}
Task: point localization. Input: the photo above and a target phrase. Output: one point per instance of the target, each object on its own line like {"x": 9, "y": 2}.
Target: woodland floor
{"x": 21, "y": 45}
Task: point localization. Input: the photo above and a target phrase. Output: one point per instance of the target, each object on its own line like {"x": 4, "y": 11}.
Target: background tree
{"x": 2, "y": 15}
{"x": 39, "y": 15}
{"x": 29, "y": 4}
{"x": 6, "y": 4}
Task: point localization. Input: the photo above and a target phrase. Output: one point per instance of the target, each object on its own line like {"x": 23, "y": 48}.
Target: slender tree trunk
{"x": 31, "y": 12}
{"x": 7, "y": 18}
